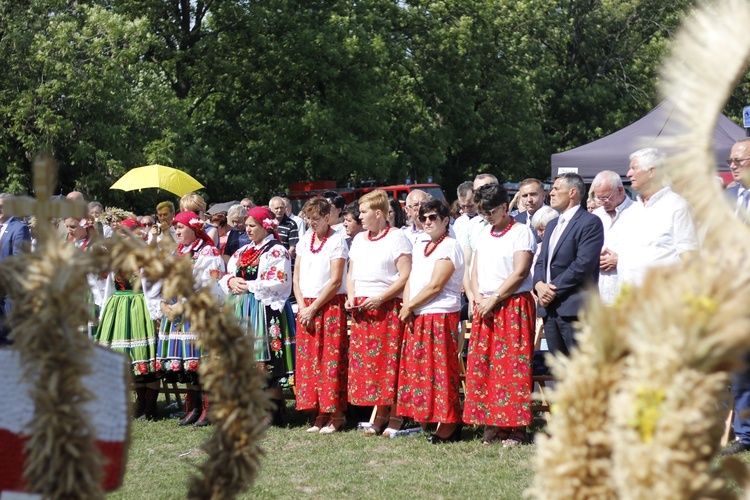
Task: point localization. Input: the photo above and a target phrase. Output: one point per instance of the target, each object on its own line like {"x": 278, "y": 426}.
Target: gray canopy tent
{"x": 611, "y": 152}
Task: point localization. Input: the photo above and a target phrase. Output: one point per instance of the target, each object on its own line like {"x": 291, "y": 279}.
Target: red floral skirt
{"x": 498, "y": 372}
{"x": 374, "y": 350}
{"x": 322, "y": 361}
{"x": 428, "y": 377}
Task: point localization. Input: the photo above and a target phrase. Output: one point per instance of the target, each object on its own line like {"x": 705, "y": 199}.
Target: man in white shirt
{"x": 414, "y": 201}
{"x": 471, "y": 235}
{"x": 613, "y": 202}
{"x": 659, "y": 228}
{"x": 465, "y": 194}
{"x": 301, "y": 226}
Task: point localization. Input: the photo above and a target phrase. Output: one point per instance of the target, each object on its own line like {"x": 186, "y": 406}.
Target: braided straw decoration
{"x": 636, "y": 410}
{"x": 63, "y": 461}
{"x": 49, "y": 307}
{"x": 236, "y": 388}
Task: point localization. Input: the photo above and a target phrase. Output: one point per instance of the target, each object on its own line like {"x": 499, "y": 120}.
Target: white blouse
{"x": 315, "y": 268}
{"x": 449, "y": 298}
{"x": 375, "y": 261}
{"x": 495, "y": 257}
{"x": 273, "y": 284}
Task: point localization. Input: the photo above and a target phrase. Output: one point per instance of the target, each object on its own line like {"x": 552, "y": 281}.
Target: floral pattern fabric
{"x": 428, "y": 374}
{"x": 374, "y": 352}
{"x": 264, "y": 311}
{"x": 322, "y": 361}
{"x": 498, "y": 373}
{"x": 267, "y": 267}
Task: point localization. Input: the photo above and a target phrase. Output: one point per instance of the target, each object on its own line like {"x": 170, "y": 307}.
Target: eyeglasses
{"x": 415, "y": 206}
{"x": 148, "y": 224}
{"x": 432, "y": 217}
{"x": 604, "y": 199}
{"x": 736, "y": 161}
{"x": 488, "y": 215}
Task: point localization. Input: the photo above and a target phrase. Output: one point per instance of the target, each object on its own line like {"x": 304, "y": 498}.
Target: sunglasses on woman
{"x": 432, "y": 217}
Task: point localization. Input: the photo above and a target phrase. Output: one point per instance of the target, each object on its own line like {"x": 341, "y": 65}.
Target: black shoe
{"x": 734, "y": 448}
{"x": 191, "y": 417}
{"x": 453, "y": 438}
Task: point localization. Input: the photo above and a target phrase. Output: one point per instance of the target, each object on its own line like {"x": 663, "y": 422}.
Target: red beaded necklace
{"x": 248, "y": 258}
{"x": 427, "y": 253}
{"x": 369, "y": 234}
{"x": 502, "y": 233}
{"x": 322, "y": 242}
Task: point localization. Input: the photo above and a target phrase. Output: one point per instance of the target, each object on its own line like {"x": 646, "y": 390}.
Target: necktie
{"x": 553, "y": 239}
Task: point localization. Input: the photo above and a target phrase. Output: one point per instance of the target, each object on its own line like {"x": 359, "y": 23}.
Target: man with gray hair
{"x": 414, "y": 201}
{"x": 613, "y": 202}
{"x": 659, "y": 228}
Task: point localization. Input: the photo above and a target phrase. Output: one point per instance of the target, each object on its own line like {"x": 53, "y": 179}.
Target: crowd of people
{"x": 361, "y": 304}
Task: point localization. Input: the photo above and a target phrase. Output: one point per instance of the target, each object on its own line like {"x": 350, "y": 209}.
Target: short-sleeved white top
{"x": 449, "y": 298}
{"x": 495, "y": 257}
{"x": 315, "y": 268}
{"x": 375, "y": 261}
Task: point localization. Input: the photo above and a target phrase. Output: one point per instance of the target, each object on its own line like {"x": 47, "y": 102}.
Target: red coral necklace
{"x": 322, "y": 242}
{"x": 369, "y": 234}
{"x": 502, "y": 233}
{"x": 427, "y": 253}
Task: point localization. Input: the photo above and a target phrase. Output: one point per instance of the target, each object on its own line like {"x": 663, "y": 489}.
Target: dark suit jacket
{"x": 15, "y": 238}
{"x": 575, "y": 262}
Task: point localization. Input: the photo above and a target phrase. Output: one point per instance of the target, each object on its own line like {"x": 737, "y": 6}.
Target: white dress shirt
{"x": 655, "y": 234}
{"x": 608, "y": 287}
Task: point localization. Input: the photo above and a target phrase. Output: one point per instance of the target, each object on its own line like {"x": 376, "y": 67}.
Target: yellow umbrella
{"x": 157, "y": 176}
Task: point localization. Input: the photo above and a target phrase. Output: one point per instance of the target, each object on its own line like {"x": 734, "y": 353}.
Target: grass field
{"x": 342, "y": 465}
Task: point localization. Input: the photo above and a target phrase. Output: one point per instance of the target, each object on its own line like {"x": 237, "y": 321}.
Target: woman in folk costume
{"x": 259, "y": 278}
{"x": 428, "y": 378}
{"x": 322, "y": 341}
{"x": 379, "y": 265}
{"x": 178, "y": 352}
{"x": 82, "y": 234}
{"x": 498, "y": 372}
{"x": 126, "y": 326}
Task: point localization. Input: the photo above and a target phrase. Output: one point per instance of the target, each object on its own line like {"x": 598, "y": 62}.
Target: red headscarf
{"x": 191, "y": 220}
{"x": 131, "y": 224}
{"x": 265, "y": 218}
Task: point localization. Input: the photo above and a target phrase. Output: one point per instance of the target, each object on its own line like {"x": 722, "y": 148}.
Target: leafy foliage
{"x": 250, "y": 96}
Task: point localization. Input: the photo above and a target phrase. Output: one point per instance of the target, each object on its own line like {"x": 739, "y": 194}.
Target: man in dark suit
{"x": 568, "y": 262}
{"x": 14, "y": 237}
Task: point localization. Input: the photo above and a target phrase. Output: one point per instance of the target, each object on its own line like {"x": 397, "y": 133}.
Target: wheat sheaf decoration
{"x": 47, "y": 289}
{"x": 637, "y": 409}
{"x": 238, "y": 400}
